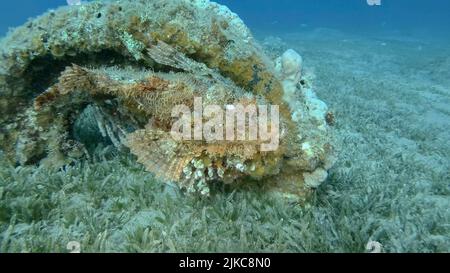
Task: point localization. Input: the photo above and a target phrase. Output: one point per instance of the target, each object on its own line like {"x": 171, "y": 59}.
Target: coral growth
{"x": 131, "y": 66}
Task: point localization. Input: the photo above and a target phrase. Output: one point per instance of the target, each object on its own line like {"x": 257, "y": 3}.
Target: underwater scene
{"x": 229, "y": 126}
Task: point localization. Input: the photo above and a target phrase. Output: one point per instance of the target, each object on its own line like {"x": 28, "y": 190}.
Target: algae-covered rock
{"x": 128, "y": 64}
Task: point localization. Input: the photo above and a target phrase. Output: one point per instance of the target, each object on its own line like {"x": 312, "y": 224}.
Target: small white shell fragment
{"x": 316, "y": 178}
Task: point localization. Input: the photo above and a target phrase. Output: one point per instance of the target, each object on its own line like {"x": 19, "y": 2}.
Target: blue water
{"x": 428, "y": 16}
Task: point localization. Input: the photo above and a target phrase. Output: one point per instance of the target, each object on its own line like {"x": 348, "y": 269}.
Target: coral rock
{"x": 127, "y": 64}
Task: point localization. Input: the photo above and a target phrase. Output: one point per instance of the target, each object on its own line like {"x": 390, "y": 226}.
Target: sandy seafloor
{"x": 391, "y": 184}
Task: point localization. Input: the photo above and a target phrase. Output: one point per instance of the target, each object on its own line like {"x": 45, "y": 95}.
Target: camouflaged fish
{"x": 129, "y": 63}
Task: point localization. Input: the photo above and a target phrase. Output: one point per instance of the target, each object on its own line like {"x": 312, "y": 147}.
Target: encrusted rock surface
{"x": 128, "y": 63}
